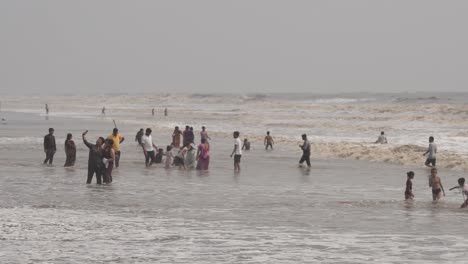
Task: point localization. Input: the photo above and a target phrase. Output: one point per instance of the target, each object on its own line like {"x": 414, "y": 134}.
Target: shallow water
{"x": 272, "y": 212}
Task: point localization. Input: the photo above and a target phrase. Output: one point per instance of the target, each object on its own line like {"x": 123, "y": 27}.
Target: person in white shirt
{"x": 382, "y": 138}
{"x": 464, "y": 188}
{"x": 148, "y": 147}
{"x": 237, "y": 152}
{"x": 432, "y": 151}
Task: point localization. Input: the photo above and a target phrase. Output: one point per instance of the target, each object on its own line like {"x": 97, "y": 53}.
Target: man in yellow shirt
{"x": 117, "y": 138}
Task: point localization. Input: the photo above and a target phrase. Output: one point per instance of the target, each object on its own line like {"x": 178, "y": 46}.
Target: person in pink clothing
{"x": 203, "y": 155}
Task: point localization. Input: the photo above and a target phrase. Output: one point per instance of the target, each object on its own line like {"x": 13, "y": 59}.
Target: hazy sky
{"x": 232, "y": 46}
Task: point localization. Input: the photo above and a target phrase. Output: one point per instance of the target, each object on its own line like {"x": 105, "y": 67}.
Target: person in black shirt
{"x": 49, "y": 146}
{"x": 139, "y": 135}
{"x": 95, "y": 165}
{"x": 305, "y": 151}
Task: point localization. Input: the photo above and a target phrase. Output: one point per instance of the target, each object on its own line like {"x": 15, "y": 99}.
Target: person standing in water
{"x": 409, "y": 186}
{"x": 108, "y": 157}
{"x": 237, "y": 152}
{"x": 117, "y": 139}
{"x": 165, "y": 111}
{"x": 138, "y": 136}
{"x": 436, "y": 184}
{"x": 246, "y": 144}
{"x": 305, "y": 151}
{"x": 203, "y": 155}
{"x": 47, "y": 109}
{"x": 148, "y": 147}
{"x": 432, "y": 151}
{"x": 49, "y": 146}
{"x": 169, "y": 157}
{"x": 204, "y": 134}
{"x": 268, "y": 142}
{"x": 176, "y": 137}
{"x": 70, "y": 151}
{"x": 382, "y": 138}
{"x": 186, "y": 136}
{"x": 464, "y": 188}
{"x": 95, "y": 165}
{"x": 103, "y": 111}
{"x": 190, "y": 157}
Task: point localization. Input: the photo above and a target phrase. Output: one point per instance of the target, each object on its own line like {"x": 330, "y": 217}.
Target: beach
{"x": 347, "y": 208}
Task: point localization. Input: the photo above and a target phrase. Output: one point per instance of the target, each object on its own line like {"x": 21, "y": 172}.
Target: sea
{"x": 347, "y": 208}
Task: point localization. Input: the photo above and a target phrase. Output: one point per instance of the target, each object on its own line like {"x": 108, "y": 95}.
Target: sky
{"x": 254, "y": 46}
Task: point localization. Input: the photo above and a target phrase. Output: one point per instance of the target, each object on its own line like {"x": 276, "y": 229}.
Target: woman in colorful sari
{"x": 70, "y": 151}
{"x": 203, "y": 155}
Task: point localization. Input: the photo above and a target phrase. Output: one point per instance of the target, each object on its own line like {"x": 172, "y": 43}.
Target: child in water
{"x": 436, "y": 184}
{"x": 464, "y": 188}
{"x": 246, "y": 144}
{"x": 409, "y": 186}
{"x": 169, "y": 157}
{"x": 159, "y": 156}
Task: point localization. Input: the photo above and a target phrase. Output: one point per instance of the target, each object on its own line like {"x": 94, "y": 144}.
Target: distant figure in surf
{"x": 138, "y": 136}
{"x": 152, "y": 112}
{"x": 268, "y": 141}
{"x": 117, "y": 139}
{"x": 95, "y": 165}
{"x": 305, "y": 151}
{"x": 382, "y": 138}
{"x": 176, "y": 137}
{"x": 165, "y": 111}
{"x": 49, "y": 146}
{"x": 464, "y": 188}
{"x": 191, "y": 135}
{"x": 432, "y": 151}
{"x": 47, "y": 109}
{"x": 204, "y": 134}
{"x": 409, "y": 186}
{"x": 103, "y": 111}
{"x": 237, "y": 151}
{"x": 436, "y": 184}
{"x": 186, "y": 136}
{"x": 70, "y": 151}
{"x": 246, "y": 144}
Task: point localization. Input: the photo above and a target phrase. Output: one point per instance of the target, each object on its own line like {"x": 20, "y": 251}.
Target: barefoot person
{"x": 464, "y": 188}
{"x": 237, "y": 151}
{"x": 409, "y": 186}
{"x": 305, "y": 151}
{"x": 148, "y": 147}
{"x": 49, "y": 146}
{"x": 117, "y": 139}
{"x": 432, "y": 151}
{"x": 268, "y": 142}
{"x": 436, "y": 184}
{"x": 70, "y": 151}
{"x": 95, "y": 165}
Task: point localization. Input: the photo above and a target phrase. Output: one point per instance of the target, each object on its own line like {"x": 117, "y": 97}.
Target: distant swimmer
{"x": 382, "y": 138}
{"x": 152, "y": 112}
{"x": 246, "y": 144}
{"x": 305, "y": 151}
{"x": 70, "y": 151}
{"x": 49, "y": 146}
{"x": 409, "y": 186}
{"x": 237, "y": 151}
{"x": 103, "y": 111}
{"x": 117, "y": 139}
{"x": 138, "y": 136}
{"x": 268, "y": 142}
{"x": 165, "y": 111}
{"x": 464, "y": 189}
{"x": 47, "y": 109}
{"x": 432, "y": 151}
{"x": 436, "y": 184}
